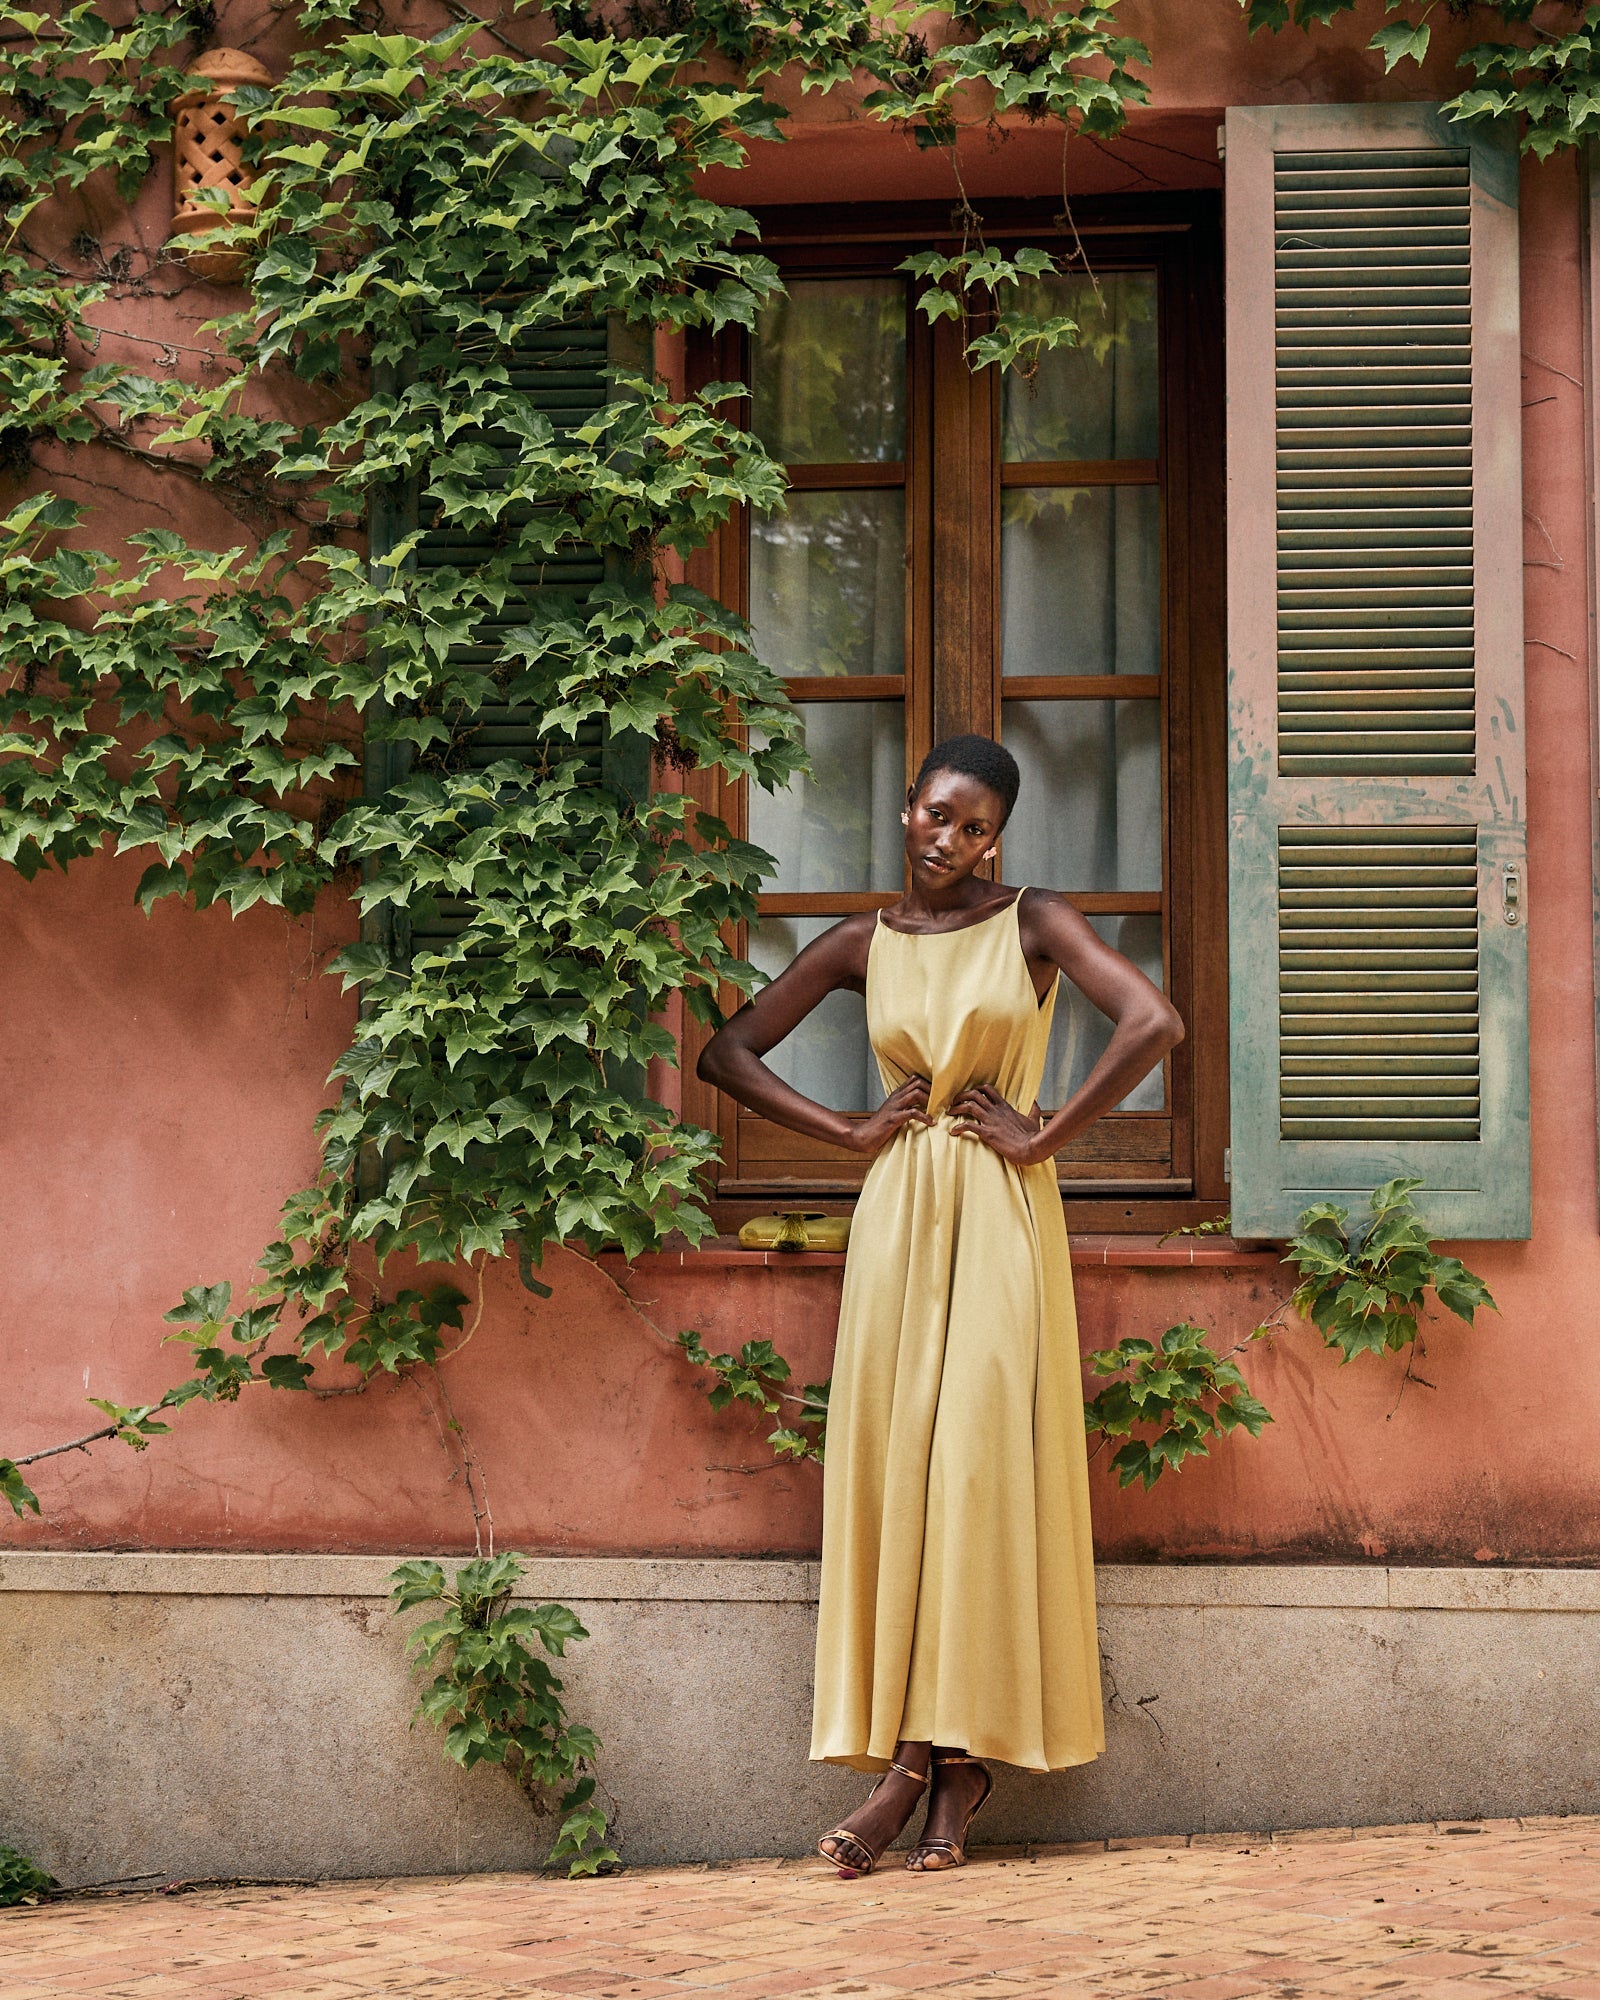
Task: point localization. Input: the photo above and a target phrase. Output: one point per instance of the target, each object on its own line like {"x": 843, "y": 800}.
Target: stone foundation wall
{"x": 205, "y": 1715}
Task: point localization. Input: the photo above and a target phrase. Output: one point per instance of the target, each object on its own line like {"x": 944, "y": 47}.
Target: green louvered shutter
{"x": 1376, "y": 793}
{"x": 562, "y": 373}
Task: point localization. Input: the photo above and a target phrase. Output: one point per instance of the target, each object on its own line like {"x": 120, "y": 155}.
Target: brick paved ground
{"x": 1490, "y": 1910}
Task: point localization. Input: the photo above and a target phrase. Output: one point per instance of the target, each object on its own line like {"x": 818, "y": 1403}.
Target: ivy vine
{"x": 420, "y": 205}
{"x": 497, "y": 1700}
{"x": 1364, "y": 1289}
{"x": 1543, "y": 80}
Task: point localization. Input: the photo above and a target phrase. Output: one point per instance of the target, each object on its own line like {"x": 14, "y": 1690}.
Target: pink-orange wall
{"x": 161, "y": 1076}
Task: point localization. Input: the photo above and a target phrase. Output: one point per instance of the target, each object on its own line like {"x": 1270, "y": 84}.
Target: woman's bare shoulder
{"x": 1048, "y": 922}
{"x": 1047, "y": 906}
{"x": 835, "y": 956}
{"x": 849, "y": 940}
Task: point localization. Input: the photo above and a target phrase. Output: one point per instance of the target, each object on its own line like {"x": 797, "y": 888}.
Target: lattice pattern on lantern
{"x": 209, "y": 146}
{"x": 208, "y": 158}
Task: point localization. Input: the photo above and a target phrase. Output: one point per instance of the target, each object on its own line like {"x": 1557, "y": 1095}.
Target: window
{"x": 1033, "y": 558}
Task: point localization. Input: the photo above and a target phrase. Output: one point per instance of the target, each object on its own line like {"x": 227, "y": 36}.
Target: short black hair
{"x": 980, "y": 757}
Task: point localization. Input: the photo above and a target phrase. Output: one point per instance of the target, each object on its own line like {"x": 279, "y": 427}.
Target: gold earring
{"x": 905, "y": 819}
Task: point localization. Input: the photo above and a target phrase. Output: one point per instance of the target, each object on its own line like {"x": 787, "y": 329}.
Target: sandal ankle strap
{"x": 918, "y": 1778}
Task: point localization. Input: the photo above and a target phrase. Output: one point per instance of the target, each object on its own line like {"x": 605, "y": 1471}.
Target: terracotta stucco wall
{"x": 161, "y": 1076}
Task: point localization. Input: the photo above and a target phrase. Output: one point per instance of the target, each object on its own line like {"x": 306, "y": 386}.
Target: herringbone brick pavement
{"x": 1478, "y": 1911}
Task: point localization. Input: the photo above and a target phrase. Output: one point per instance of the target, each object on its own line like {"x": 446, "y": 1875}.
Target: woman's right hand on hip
{"x": 906, "y": 1106}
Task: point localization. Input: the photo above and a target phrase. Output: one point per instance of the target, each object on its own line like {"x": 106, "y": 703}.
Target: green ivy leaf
{"x": 285, "y": 1371}
{"x": 1401, "y": 41}
{"x": 18, "y": 1493}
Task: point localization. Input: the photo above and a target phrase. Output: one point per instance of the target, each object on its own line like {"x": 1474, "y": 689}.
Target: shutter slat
{"x": 1336, "y": 565}
{"x": 1377, "y": 1064}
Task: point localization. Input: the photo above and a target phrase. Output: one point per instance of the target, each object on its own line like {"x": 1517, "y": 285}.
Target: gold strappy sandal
{"x": 956, "y": 1849}
{"x": 843, "y": 1835}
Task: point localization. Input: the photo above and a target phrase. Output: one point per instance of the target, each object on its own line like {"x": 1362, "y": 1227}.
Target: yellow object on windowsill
{"x": 796, "y": 1229}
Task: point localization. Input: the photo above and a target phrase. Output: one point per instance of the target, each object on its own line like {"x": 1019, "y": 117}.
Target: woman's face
{"x": 951, "y": 824}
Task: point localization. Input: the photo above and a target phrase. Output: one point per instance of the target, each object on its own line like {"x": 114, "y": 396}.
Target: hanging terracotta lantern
{"x": 208, "y": 154}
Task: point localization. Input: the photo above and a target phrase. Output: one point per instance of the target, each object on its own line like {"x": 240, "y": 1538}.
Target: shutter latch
{"x": 1511, "y": 894}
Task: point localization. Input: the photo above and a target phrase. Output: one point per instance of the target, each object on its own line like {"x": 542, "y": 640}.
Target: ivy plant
{"x": 420, "y": 206}
{"x": 497, "y": 1700}
{"x": 756, "y": 1375}
{"x": 1172, "y": 1396}
{"x": 21, "y": 1879}
{"x": 1364, "y": 1290}
{"x": 1537, "y": 76}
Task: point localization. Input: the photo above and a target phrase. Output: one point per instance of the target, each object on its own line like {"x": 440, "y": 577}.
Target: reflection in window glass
{"x": 828, "y": 1056}
{"x": 828, "y": 372}
{"x": 828, "y": 584}
{"x": 839, "y": 829}
{"x": 1080, "y": 580}
{"x": 1079, "y": 1033}
{"x": 1097, "y": 399}
{"x": 1089, "y": 812}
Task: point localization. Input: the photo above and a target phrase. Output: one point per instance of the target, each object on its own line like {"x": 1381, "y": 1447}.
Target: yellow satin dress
{"x": 957, "y": 1602}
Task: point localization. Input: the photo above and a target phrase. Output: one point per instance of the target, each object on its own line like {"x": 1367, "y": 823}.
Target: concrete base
{"x": 201, "y": 1715}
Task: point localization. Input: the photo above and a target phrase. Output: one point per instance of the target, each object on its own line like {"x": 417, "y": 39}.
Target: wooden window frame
{"x": 953, "y": 680}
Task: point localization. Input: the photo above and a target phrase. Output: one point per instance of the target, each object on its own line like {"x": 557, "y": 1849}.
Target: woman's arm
{"x": 732, "y": 1058}
{"x": 1146, "y": 1026}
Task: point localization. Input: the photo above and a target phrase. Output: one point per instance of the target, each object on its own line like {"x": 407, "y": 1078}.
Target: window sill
{"x": 726, "y": 1253}
{"x": 721, "y": 1253}
{"x": 1180, "y": 1251}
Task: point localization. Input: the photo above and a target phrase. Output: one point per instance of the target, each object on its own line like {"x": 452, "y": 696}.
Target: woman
{"x": 957, "y": 1616}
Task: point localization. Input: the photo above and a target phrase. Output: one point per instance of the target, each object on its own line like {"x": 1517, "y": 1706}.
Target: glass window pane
{"x": 828, "y": 1057}
{"x": 1089, "y": 812}
{"x": 1098, "y": 398}
{"x": 828, "y": 584}
{"x": 1080, "y": 580}
{"x": 828, "y": 372}
{"x": 840, "y": 828}
{"x": 1079, "y": 1033}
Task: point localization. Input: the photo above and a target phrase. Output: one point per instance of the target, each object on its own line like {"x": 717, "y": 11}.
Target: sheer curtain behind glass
{"x": 1088, "y": 815}
{"x": 828, "y": 382}
{"x": 1099, "y": 398}
{"x": 828, "y": 585}
{"x": 827, "y": 600}
{"x": 827, "y": 570}
{"x": 1080, "y": 579}
{"x": 1080, "y": 598}
{"x": 839, "y": 829}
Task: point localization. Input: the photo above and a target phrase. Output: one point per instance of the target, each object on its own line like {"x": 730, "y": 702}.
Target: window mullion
{"x": 963, "y": 540}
